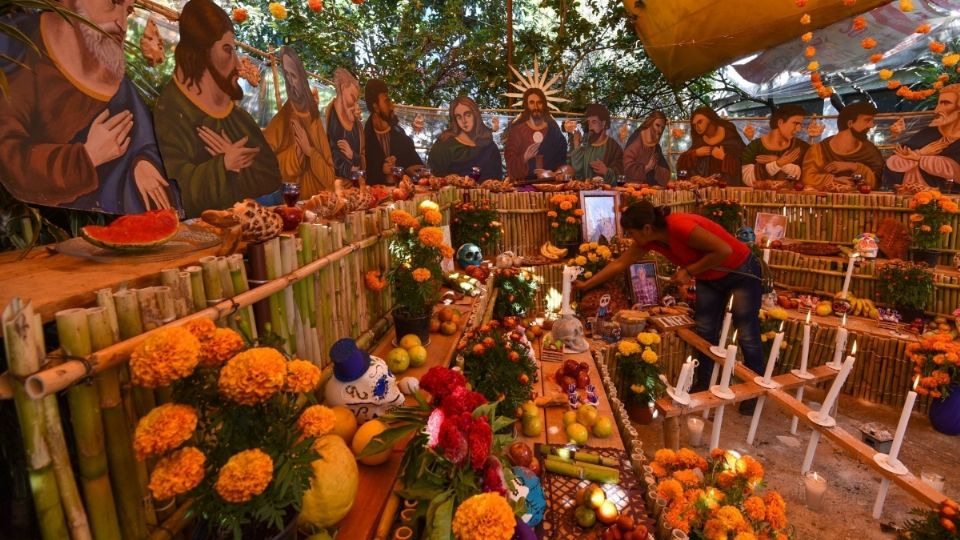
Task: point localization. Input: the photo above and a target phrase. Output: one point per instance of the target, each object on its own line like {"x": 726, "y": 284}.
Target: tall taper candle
{"x": 723, "y": 389}
{"x": 685, "y": 377}
{"x": 904, "y": 420}
{"x": 823, "y": 415}
{"x": 805, "y": 348}
{"x": 774, "y": 354}
{"x": 766, "y": 252}
{"x": 846, "y": 280}
{"x": 841, "y": 344}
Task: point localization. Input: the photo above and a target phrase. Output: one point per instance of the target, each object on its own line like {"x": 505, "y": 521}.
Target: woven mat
{"x": 559, "y": 522}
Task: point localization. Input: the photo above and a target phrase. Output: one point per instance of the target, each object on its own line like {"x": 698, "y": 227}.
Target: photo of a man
{"x": 643, "y": 281}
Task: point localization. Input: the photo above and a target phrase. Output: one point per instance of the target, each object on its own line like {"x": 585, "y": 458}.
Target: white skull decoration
{"x": 361, "y": 382}
{"x": 569, "y": 330}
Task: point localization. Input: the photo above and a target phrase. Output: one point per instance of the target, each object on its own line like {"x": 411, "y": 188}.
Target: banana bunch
{"x": 552, "y": 252}
{"x": 863, "y": 307}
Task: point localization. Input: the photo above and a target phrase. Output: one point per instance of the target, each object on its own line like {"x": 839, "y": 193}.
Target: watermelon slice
{"x": 135, "y": 231}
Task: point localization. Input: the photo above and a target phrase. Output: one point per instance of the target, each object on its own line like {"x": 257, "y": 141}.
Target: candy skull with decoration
{"x": 469, "y": 255}
{"x": 569, "y": 330}
{"x": 361, "y": 382}
{"x": 746, "y": 235}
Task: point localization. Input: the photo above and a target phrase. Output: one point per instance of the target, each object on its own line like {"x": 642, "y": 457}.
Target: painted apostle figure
{"x": 534, "y": 140}
{"x": 297, "y": 135}
{"x": 778, "y": 154}
{"x": 715, "y": 150}
{"x": 73, "y": 130}
{"x": 831, "y": 164}
{"x": 600, "y": 155}
{"x": 211, "y": 147}
{"x": 466, "y": 143}
{"x": 344, "y": 128}
{"x": 387, "y": 145}
{"x": 643, "y": 158}
{"x": 932, "y": 156}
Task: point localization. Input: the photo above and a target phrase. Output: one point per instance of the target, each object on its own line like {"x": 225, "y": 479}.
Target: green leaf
{"x": 386, "y": 440}
{"x": 440, "y": 517}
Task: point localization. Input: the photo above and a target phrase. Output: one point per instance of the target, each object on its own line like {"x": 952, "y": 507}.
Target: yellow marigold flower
{"x": 421, "y": 274}
{"x": 580, "y": 260}
{"x": 220, "y": 347}
{"x": 253, "y": 376}
{"x": 244, "y": 476}
{"x": 950, "y": 60}
{"x": 431, "y": 237}
{"x": 627, "y": 348}
{"x": 813, "y": 66}
{"x": 177, "y": 473}
{"x": 302, "y": 376}
{"x": 648, "y": 356}
{"x": 278, "y": 10}
{"x": 163, "y": 429}
{"x": 584, "y": 248}
{"x": 670, "y": 489}
{"x": 487, "y": 516}
{"x": 202, "y": 329}
{"x": 906, "y": 6}
{"x": 317, "y": 421}
{"x": 428, "y": 204}
{"x": 806, "y": 37}
{"x": 433, "y": 217}
{"x": 885, "y": 74}
{"x": 645, "y": 338}
{"x": 755, "y": 508}
{"x": 167, "y": 356}
{"x": 592, "y": 256}
{"x": 946, "y": 229}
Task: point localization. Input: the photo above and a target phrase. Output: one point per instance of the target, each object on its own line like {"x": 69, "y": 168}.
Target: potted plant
{"x": 415, "y": 254}
{"x": 565, "y": 218}
{"x": 929, "y": 224}
{"x": 729, "y": 214}
{"x": 476, "y": 223}
{"x": 516, "y": 293}
{"x": 593, "y": 257}
{"x": 499, "y": 364}
{"x": 906, "y": 286}
{"x": 936, "y": 361}
{"x": 640, "y": 368}
{"x": 235, "y": 436}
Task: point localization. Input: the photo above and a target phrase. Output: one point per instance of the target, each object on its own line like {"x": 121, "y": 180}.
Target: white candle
{"x": 685, "y": 377}
{"x": 727, "y": 321}
{"x": 569, "y": 274}
{"x": 805, "y": 350}
{"x": 834, "y": 392}
{"x": 904, "y": 420}
{"x": 774, "y": 354}
{"x": 816, "y": 487}
{"x": 728, "y": 364}
{"x": 766, "y": 252}
{"x": 846, "y": 280}
{"x": 695, "y": 430}
{"x": 841, "y": 344}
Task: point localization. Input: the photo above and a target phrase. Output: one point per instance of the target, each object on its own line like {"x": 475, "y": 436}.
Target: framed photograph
{"x": 600, "y": 215}
{"x": 643, "y": 283}
{"x": 770, "y": 227}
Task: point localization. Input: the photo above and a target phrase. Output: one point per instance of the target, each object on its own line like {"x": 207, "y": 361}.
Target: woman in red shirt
{"x": 701, "y": 249}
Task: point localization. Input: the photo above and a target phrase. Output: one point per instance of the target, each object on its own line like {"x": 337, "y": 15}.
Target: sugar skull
{"x": 361, "y": 382}
{"x": 469, "y": 255}
{"x": 746, "y": 235}
{"x": 569, "y": 330}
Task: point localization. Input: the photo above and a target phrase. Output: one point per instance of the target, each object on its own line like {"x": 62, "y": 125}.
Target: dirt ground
{"x": 848, "y": 508}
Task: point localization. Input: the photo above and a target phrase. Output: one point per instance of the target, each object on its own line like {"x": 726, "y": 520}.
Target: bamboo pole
{"x": 119, "y": 444}
{"x": 175, "y": 522}
{"x": 288, "y": 263}
{"x": 170, "y": 277}
{"x": 84, "y": 401}
{"x": 278, "y": 317}
{"x": 150, "y": 313}
{"x": 197, "y": 289}
{"x": 238, "y": 277}
{"x": 24, "y": 354}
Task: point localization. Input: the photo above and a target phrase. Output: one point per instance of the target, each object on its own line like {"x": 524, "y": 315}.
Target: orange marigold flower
{"x": 163, "y": 429}
{"x": 551, "y": 214}
{"x": 431, "y": 237}
{"x": 686, "y": 477}
{"x": 164, "y": 357}
{"x": 859, "y": 23}
{"x": 950, "y": 60}
{"x": 925, "y": 228}
{"x": 868, "y": 43}
{"x": 805, "y": 19}
{"x": 946, "y": 229}
{"x": 446, "y": 251}
{"x": 240, "y": 15}
{"x": 571, "y": 220}
{"x": 420, "y": 275}
{"x": 670, "y": 489}
{"x": 658, "y": 469}
{"x": 317, "y": 421}
{"x": 747, "y": 535}
{"x": 906, "y": 6}
{"x": 302, "y": 376}
{"x": 433, "y": 217}
{"x": 893, "y": 85}
{"x": 202, "y": 329}
{"x": 810, "y": 52}
{"x": 731, "y": 518}
{"x": 717, "y": 453}
{"x": 578, "y": 212}
{"x": 922, "y": 29}
{"x": 373, "y": 280}
{"x": 714, "y": 529}
{"x": 874, "y": 58}
{"x": 755, "y": 508}
{"x": 177, "y": 473}
{"x": 813, "y": 66}
{"x": 566, "y": 205}
{"x": 253, "y": 376}
{"x": 221, "y": 347}
{"x": 554, "y": 224}
{"x": 402, "y": 218}
{"x": 806, "y": 37}
{"x": 937, "y": 47}
{"x": 665, "y": 457}
{"x": 885, "y": 74}
{"x": 244, "y": 476}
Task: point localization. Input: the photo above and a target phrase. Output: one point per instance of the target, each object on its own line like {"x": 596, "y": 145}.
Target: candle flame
{"x": 854, "y": 350}
{"x": 730, "y": 304}
{"x": 769, "y": 241}
{"x": 781, "y": 326}
{"x": 844, "y": 323}
{"x": 689, "y": 359}
{"x": 735, "y": 335}
{"x": 816, "y": 476}
{"x": 808, "y": 316}
{"x": 916, "y": 381}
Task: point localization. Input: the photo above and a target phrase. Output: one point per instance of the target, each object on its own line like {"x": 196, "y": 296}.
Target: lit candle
{"x": 766, "y": 252}
{"x": 904, "y": 420}
{"x": 772, "y": 359}
{"x": 695, "y": 430}
{"x": 816, "y": 487}
{"x": 822, "y": 416}
{"x": 718, "y": 349}
{"x": 686, "y": 377}
{"x": 723, "y": 389}
{"x": 569, "y": 274}
{"x": 846, "y": 280}
{"x": 804, "y": 351}
{"x": 840, "y": 345}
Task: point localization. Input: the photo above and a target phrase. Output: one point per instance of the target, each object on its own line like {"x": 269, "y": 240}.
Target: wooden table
{"x": 53, "y": 281}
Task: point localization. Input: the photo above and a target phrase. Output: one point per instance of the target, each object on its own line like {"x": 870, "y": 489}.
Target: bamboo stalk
{"x": 238, "y": 278}
{"x": 212, "y": 286}
{"x": 84, "y": 401}
{"x": 150, "y": 313}
{"x": 170, "y": 277}
{"x": 119, "y": 445}
{"x": 278, "y": 315}
{"x": 175, "y": 522}
{"x": 165, "y": 302}
{"x": 288, "y": 263}
{"x": 24, "y": 356}
{"x": 197, "y": 290}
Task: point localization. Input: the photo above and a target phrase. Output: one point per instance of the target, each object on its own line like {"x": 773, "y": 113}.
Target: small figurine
{"x": 604, "y": 310}
{"x": 361, "y": 382}
{"x": 866, "y": 244}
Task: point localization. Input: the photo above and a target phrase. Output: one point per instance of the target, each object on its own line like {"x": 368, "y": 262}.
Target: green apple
{"x": 532, "y": 426}
{"x": 398, "y": 360}
{"x": 578, "y": 433}
{"x": 587, "y": 415}
{"x": 418, "y": 355}
{"x": 586, "y": 517}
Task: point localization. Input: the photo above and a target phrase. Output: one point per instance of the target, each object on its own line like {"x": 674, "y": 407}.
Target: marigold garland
{"x": 177, "y": 473}
{"x": 317, "y": 421}
{"x": 859, "y": 23}
{"x": 937, "y": 47}
{"x": 487, "y": 516}
{"x": 885, "y": 74}
{"x": 810, "y": 52}
{"x": 302, "y": 376}
{"x": 876, "y": 57}
{"x": 253, "y": 376}
{"x": 164, "y": 357}
{"x": 244, "y": 476}
{"x": 868, "y": 43}
{"x": 221, "y": 347}
{"x": 163, "y": 429}
{"x": 922, "y": 29}
{"x": 806, "y": 37}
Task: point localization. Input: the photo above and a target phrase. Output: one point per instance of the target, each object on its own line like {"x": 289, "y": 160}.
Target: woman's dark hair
{"x": 644, "y": 213}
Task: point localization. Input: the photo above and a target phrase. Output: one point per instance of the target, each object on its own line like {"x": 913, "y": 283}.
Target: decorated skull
{"x": 469, "y": 255}
{"x": 361, "y": 382}
{"x": 569, "y": 330}
{"x": 746, "y": 235}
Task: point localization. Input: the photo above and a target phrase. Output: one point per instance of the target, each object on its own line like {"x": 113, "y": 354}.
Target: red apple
{"x": 583, "y": 366}
{"x": 864, "y": 188}
{"x": 583, "y": 379}
{"x": 520, "y": 454}
{"x": 571, "y": 367}
{"x": 291, "y": 215}
{"x": 567, "y": 381}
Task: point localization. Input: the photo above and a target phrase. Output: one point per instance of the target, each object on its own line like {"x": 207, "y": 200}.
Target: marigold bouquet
{"x": 936, "y": 360}
{"x": 516, "y": 293}
{"x": 729, "y": 214}
{"x": 718, "y": 497}
{"x": 476, "y": 222}
{"x": 229, "y": 438}
{"x": 904, "y": 284}
{"x": 416, "y": 251}
{"x": 593, "y": 257}
{"x": 640, "y": 366}
{"x": 564, "y": 218}
{"x": 454, "y": 452}
{"x": 929, "y": 220}
{"x": 499, "y": 365}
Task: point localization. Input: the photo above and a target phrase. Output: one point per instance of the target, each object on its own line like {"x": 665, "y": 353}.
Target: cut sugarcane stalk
{"x": 577, "y": 455}
{"x": 288, "y": 263}
{"x": 84, "y": 401}
{"x": 123, "y": 464}
{"x": 607, "y": 476}
{"x": 212, "y": 286}
{"x": 585, "y": 464}
{"x": 24, "y": 353}
{"x": 278, "y": 316}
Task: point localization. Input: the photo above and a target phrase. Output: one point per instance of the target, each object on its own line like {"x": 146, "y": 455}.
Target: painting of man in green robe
{"x": 599, "y": 155}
